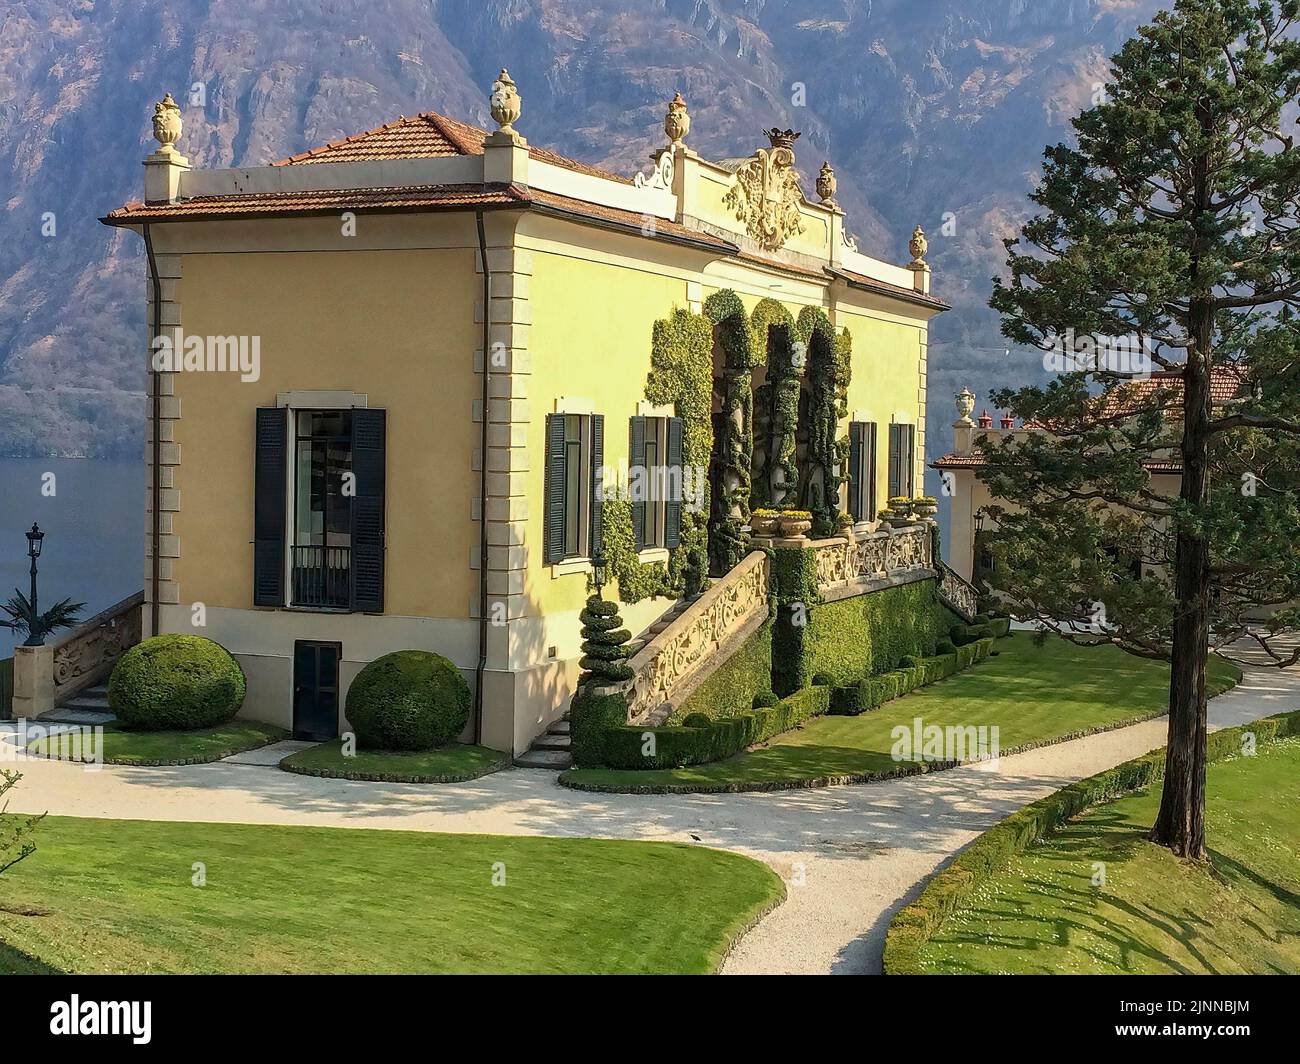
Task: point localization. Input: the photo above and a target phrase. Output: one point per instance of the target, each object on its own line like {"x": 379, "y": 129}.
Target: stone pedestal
{"x": 33, "y": 681}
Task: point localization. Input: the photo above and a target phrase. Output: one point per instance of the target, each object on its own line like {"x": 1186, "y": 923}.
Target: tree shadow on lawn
{"x": 15, "y": 962}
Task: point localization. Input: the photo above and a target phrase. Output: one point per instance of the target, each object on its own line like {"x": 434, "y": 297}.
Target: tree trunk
{"x": 1180, "y": 824}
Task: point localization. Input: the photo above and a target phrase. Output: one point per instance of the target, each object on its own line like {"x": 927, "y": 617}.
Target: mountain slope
{"x": 931, "y": 113}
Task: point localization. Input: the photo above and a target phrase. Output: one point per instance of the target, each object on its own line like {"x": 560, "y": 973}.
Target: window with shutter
{"x": 637, "y": 481}
{"x": 554, "y": 533}
{"x": 593, "y": 501}
{"x": 673, "y": 479}
{"x": 901, "y": 460}
{"x": 269, "y": 503}
{"x": 575, "y": 457}
{"x": 369, "y": 462}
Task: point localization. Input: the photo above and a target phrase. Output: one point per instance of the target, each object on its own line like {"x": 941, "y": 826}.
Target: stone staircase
{"x": 88, "y": 706}
{"x": 551, "y": 748}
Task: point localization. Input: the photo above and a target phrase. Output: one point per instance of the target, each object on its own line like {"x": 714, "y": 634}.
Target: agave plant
{"x": 23, "y": 619}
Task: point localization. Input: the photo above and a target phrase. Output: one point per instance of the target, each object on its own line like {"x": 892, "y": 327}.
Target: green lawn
{"x": 125, "y": 747}
{"x": 1032, "y": 694}
{"x": 1155, "y": 914}
{"x": 116, "y": 896}
{"x": 446, "y": 764}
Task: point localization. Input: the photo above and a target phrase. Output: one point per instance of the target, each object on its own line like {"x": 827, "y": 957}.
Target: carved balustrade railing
{"x": 87, "y": 653}
{"x": 844, "y": 561}
{"x": 666, "y": 666}
{"x": 960, "y": 595}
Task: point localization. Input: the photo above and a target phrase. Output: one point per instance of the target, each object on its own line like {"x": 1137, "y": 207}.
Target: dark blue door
{"x": 316, "y": 690}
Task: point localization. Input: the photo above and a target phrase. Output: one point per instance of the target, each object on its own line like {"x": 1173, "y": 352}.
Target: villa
{"x": 406, "y": 385}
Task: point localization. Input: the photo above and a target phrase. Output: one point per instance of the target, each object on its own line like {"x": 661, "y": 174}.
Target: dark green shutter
{"x": 369, "y": 466}
{"x": 673, "y": 505}
{"x": 635, "y": 459}
{"x": 895, "y": 451}
{"x": 855, "y": 470}
{"x": 597, "y": 528}
{"x": 869, "y": 474}
{"x": 553, "y": 531}
{"x": 270, "y": 468}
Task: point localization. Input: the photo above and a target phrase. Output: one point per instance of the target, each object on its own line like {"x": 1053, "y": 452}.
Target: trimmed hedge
{"x": 590, "y": 717}
{"x": 700, "y": 739}
{"x": 914, "y": 926}
{"x": 873, "y": 691}
{"x": 408, "y": 700}
{"x": 872, "y": 633}
{"x": 737, "y": 682}
{"x": 176, "y": 682}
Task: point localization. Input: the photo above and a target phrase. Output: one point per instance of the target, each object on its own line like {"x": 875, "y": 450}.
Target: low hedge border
{"x": 176, "y": 762}
{"x": 396, "y": 777}
{"x": 701, "y": 739}
{"x": 845, "y": 779}
{"x": 872, "y": 692}
{"x": 913, "y": 926}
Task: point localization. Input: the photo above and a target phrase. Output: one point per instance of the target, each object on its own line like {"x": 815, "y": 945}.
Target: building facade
{"x": 391, "y": 377}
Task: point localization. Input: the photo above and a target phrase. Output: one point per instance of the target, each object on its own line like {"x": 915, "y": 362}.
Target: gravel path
{"x": 851, "y": 856}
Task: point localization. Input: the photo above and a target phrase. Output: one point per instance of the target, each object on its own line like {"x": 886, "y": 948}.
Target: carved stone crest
{"x": 766, "y": 195}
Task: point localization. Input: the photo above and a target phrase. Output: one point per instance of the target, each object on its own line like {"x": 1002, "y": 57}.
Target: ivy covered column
{"x": 773, "y": 332}
{"x": 728, "y": 542}
{"x": 829, "y": 371}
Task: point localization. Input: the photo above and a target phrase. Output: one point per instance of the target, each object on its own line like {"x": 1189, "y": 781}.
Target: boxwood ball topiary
{"x": 176, "y": 682}
{"x": 408, "y": 700}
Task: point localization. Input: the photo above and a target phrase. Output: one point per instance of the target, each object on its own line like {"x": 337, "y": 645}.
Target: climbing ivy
{"x": 828, "y": 378}
{"x": 728, "y": 543}
{"x": 681, "y": 373}
{"x": 637, "y": 580}
{"x": 773, "y": 330}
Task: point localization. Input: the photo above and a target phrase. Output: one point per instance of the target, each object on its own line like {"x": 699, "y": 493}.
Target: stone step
{"x": 85, "y": 700}
{"x": 559, "y": 727}
{"x": 551, "y": 759}
{"x": 65, "y": 715}
{"x": 550, "y": 742}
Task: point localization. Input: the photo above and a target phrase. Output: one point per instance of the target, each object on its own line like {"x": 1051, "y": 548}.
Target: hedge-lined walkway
{"x": 850, "y": 856}
{"x": 1032, "y": 695}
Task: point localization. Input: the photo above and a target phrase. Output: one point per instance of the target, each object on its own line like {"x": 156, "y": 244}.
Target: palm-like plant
{"x": 23, "y": 619}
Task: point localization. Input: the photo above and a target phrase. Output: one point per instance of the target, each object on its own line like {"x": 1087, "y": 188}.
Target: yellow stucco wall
{"x": 590, "y": 339}
{"x": 397, "y": 326}
{"x": 886, "y": 384}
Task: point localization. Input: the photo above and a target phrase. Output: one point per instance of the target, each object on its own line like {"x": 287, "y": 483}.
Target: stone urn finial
{"x": 166, "y": 123}
{"x": 677, "y": 122}
{"x": 965, "y": 404}
{"x": 917, "y": 247}
{"x": 826, "y": 184}
{"x": 505, "y": 102}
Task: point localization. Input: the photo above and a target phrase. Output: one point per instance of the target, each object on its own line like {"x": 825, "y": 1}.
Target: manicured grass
{"x": 1155, "y": 914}
{"x": 1034, "y": 695}
{"x": 446, "y": 764}
{"x": 123, "y": 746}
{"x": 119, "y": 898}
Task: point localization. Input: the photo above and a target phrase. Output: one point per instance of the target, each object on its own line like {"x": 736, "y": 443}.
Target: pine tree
{"x": 604, "y": 644}
{"x": 1173, "y": 221}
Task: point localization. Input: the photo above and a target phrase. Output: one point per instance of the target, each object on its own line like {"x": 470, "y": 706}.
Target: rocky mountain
{"x": 932, "y": 112}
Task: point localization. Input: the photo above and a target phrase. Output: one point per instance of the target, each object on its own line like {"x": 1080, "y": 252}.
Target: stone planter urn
{"x": 795, "y": 523}
{"x": 764, "y": 522}
{"x": 925, "y": 508}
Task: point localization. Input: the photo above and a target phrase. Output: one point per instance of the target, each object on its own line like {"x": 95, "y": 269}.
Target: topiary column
{"x": 604, "y": 639}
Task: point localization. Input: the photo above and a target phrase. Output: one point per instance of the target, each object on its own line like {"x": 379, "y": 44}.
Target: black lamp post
{"x": 35, "y": 637}
{"x": 599, "y": 569}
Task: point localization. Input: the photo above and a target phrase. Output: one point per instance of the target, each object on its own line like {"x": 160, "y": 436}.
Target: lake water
{"x": 94, "y": 531}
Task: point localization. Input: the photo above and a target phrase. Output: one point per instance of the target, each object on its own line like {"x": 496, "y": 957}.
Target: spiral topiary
{"x": 604, "y": 644}
{"x": 408, "y": 700}
{"x": 175, "y": 682}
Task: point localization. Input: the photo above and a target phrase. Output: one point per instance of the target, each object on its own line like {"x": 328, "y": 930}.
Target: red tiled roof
{"x": 425, "y": 136}
{"x": 330, "y": 201}
{"x": 410, "y": 198}
{"x": 872, "y": 284}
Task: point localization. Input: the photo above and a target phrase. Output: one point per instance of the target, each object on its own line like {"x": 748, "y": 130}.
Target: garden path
{"x": 851, "y": 856}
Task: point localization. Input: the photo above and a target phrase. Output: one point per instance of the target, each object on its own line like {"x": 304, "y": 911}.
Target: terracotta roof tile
{"x": 425, "y": 136}
{"x": 627, "y": 219}
{"x": 330, "y": 201}
{"x": 859, "y": 280}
